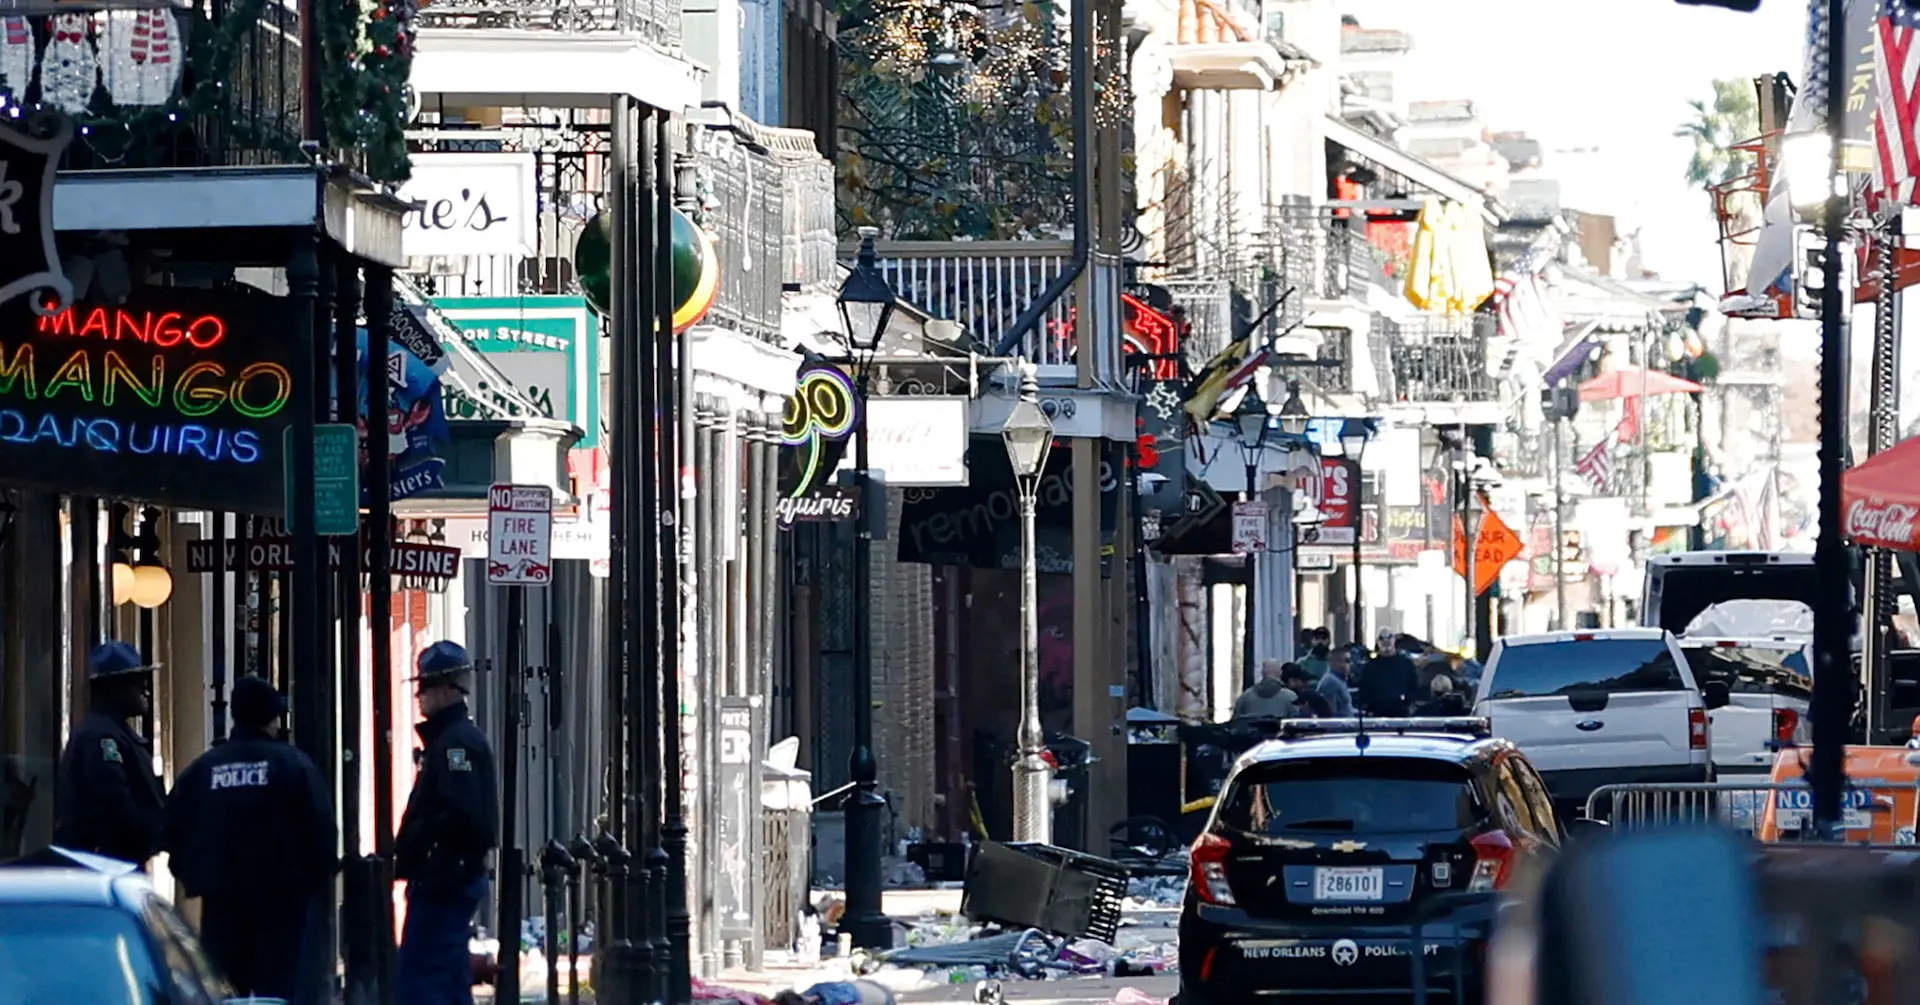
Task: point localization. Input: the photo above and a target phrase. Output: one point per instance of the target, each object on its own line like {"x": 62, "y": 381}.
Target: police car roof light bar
{"x": 1454, "y": 725}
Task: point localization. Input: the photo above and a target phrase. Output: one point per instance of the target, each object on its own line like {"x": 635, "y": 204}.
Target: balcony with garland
{"x": 218, "y": 84}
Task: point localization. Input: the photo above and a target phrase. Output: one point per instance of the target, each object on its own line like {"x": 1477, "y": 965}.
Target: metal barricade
{"x": 1738, "y": 804}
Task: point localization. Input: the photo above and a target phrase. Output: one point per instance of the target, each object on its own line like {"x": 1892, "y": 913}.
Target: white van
{"x": 1601, "y": 707}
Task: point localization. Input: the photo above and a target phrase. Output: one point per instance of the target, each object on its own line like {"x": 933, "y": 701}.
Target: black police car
{"x": 1329, "y": 845}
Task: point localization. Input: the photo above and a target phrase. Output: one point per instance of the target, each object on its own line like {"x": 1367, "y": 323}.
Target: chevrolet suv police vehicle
{"x": 1333, "y": 846}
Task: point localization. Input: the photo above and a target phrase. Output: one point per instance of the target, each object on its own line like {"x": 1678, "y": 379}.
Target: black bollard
{"x": 554, "y": 866}
{"x": 612, "y": 979}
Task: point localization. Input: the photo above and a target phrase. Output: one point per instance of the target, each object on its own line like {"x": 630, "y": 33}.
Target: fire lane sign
{"x": 520, "y": 535}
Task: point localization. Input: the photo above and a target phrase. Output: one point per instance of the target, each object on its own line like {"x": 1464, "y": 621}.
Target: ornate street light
{"x": 1028, "y": 435}
{"x": 1252, "y": 418}
{"x": 866, "y": 300}
{"x": 1293, "y": 414}
{"x": 866, "y": 304}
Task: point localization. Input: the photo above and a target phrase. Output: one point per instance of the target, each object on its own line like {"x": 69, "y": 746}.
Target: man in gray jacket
{"x": 1333, "y": 684}
{"x": 1267, "y": 698}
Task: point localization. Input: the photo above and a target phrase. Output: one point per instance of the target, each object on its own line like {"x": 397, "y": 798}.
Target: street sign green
{"x": 336, "y": 479}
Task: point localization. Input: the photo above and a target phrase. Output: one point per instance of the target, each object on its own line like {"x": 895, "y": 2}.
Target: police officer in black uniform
{"x": 250, "y": 830}
{"x": 109, "y": 801}
{"x": 451, "y": 823}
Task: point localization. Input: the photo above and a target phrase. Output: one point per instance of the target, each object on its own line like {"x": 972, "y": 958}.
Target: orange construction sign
{"x": 1496, "y": 545}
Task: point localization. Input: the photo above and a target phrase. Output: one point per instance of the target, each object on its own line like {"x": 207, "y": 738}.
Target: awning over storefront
{"x": 1412, "y": 168}
{"x": 1880, "y": 499}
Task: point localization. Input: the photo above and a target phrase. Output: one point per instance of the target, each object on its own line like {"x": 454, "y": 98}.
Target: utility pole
{"x": 1833, "y": 683}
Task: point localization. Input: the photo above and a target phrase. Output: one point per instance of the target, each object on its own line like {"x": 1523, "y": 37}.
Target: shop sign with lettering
{"x": 177, "y": 396}
{"x": 470, "y": 204}
{"x": 548, "y": 346}
{"x": 820, "y": 418}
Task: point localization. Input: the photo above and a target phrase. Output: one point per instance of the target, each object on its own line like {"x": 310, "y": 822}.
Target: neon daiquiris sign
{"x": 176, "y": 396}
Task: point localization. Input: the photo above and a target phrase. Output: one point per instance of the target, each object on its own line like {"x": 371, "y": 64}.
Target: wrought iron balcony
{"x": 1318, "y": 255}
{"x": 229, "y": 105}
{"x": 1439, "y": 359}
{"x": 984, "y": 286}
{"x": 658, "y": 21}
{"x": 1330, "y": 368}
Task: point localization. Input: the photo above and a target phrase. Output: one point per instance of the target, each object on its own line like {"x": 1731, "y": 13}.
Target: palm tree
{"x": 1733, "y": 118}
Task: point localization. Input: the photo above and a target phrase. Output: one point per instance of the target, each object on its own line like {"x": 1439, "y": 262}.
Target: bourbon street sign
{"x": 178, "y": 397}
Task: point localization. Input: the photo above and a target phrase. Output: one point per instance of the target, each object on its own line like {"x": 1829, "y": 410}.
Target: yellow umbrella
{"x": 1422, "y": 263}
{"x": 1472, "y": 273}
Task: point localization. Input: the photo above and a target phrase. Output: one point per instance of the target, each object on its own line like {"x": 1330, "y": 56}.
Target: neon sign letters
{"x": 176, "y": 396}
{"x": 820, "y": 415}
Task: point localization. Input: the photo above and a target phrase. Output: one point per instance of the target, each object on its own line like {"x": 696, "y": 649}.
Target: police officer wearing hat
{"x": 109, "y": 801}
{"x": 452, "y": 821}
{"x": 250, "y": 830}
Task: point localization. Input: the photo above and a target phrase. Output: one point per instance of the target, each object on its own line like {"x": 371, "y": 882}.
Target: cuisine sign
{"x": 178, "y": 396}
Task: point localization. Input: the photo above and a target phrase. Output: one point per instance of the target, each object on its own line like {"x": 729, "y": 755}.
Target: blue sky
{"x": 1613, "y": 76}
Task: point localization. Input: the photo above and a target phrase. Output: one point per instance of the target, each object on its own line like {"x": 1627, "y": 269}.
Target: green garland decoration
{"x": 369, "y": 56}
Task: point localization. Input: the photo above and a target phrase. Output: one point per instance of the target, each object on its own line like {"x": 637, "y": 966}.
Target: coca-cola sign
{"x": 1875, "y": 522}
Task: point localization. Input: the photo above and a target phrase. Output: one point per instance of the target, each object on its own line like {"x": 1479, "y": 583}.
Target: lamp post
{"x": 1354, "y": 434}
{"x": 1252, "y": 418}
{"x": 1029, "y": 438}
{"x": 1294, "y": 416}
{"x": 866, "y": 304}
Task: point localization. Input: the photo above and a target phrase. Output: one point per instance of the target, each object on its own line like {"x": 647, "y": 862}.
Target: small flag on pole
{"x": 1596, "y": 466}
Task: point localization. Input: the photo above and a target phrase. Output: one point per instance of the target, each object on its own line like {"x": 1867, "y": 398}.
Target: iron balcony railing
{"x": 1331, "y": 370}
{"x": 1441, "y": 359}
{"x": 984, "y": 286}
{"x": 1315, "y": 253}
{"x": 658, "y": 21}
{"x": 231, "y": 105}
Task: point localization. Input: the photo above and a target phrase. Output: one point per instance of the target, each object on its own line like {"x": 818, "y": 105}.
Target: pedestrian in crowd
{"x": 1315, "y": 661}
{"x": 1307, "y": 702}
{"x": 1391, "y": 683}
{"x": 1269, "y": 697}
{"x": 109, "y": 801}
{"x": 250, "y": 830}
{"x": 451, "y": 823}
{"x": 1332, "y": 687}
{"x": 1445, "y": 700}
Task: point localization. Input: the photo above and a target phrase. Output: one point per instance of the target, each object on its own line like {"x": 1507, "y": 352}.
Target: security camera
{"x": 1150, "y": 482}
{"x": 311, "y": 148}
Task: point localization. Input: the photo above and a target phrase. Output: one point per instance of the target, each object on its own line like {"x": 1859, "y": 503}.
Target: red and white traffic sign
{"x": 520, "y": 535}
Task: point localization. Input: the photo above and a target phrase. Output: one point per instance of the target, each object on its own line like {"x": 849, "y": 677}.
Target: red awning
{"x": 1633, "y": 382}
{"x": 1880, "y": 499}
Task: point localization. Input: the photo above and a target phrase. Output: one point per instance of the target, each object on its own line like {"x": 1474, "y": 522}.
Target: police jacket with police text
{"x": 109, "y": 801}
{"x": 453, "y": 815}
{"x": 251, "y": 817}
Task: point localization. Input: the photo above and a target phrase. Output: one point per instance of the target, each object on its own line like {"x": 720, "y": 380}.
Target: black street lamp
{"x": 866, "y": 306}
{"x": 1293, "y": 412}
{"x": 1354, "y": 434}
{"x": 1252, "y": 418}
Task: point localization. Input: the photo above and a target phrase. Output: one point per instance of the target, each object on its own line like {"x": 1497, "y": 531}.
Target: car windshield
{"x": 1544, "y": 669}
{"x": 74, "y": 953}
{"x": 1773, "y": 670}
{"x": 1365, "y": 795}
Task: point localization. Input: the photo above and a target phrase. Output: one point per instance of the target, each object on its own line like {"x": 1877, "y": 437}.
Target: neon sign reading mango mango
{"x": 136, "y": 359}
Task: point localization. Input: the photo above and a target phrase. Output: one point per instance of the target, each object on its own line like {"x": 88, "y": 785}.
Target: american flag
{"x": 1521, "y": 301}
{"x": 1896, "y": 71}
{"x": 1596, "y": 466}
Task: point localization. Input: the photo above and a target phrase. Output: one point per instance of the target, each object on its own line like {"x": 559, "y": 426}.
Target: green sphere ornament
{"x": 696, "y": 272}
{"x": 593, "y": 263}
